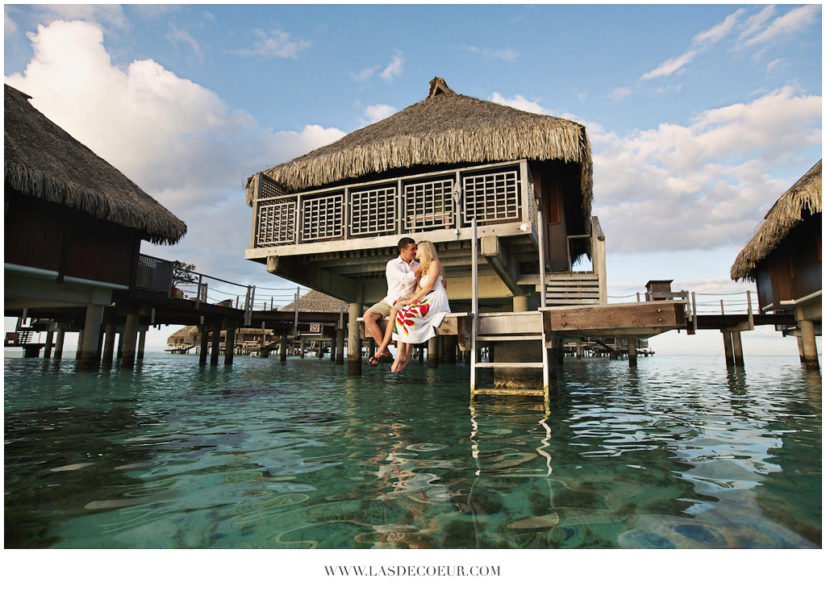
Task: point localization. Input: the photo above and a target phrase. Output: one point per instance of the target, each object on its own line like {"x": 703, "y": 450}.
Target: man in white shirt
{"x": 401, "y": 281}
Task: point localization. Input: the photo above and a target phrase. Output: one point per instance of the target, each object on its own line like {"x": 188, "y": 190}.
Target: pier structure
{"x": 73, "y": 226}
{"x": 784, "y": 259}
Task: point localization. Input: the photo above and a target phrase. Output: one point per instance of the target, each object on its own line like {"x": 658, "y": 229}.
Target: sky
{"x": 699, "y": 116}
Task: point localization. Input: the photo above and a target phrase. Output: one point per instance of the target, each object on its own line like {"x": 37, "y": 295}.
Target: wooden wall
{"x": 794, "y": 269}
{"x": 48, "y": 236}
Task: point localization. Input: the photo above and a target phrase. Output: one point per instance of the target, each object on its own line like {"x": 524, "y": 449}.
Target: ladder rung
{"x": 509, "y": 337}
{"x": 510, "y": 365}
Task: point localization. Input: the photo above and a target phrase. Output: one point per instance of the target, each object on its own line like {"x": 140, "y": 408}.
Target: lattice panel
{"x": 491, "y": 197}
{"x": 269, "y": 187}
{"x": 373, "y": 212}
{"x": 429, "y": 205}
{"x": 322, "y": 218}
{"x": 276, "y": 222}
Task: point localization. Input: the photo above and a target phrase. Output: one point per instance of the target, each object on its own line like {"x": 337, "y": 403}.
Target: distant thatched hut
{"x": 784, "y": 257}
{"x": 73, "y": 223}
{"x": 315, "y": 301}
{"x": 330, "y": 219}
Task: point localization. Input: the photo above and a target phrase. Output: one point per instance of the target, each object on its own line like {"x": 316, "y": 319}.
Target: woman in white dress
{"x": 416, "y": 316}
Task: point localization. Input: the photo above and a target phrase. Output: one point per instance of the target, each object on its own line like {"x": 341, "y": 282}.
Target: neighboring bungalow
{"x": 784, "y": 259}
{"x": 73, "y": 225}
{"x": 331, "y": 219}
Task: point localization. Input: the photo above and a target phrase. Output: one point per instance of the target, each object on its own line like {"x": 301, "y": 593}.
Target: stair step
{"x": 509, "y": 337}
{"x": 510, "y": 365}
{"x": 517, "y": 392}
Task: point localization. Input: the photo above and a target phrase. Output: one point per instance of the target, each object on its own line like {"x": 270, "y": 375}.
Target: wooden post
{"x": 354, "y": 340}
{"x": 301, "y": 346}
{"x": 141, "y": 344}
{"x": 433, "y": 352}
{"x": 579, "y": 348}
{"x": 738, "y": 348}
{"x": 229, "y": 344}
{"x": 632, "y": 352}
{"x": 333, "y": 349}
{"x": 202, "y": 356}
{"x": 340, "y": 346}
{"x": 47, "y": 350}
{"x": 520, "y": 303}
{"x": 109, "y": 344}
{"x": 727, "y": 348}
{"x": 129, "y": 340}
{"x": 215, "y": 352}
{"x": 58, "y": 348}
{"x": 88, "y": 347}
{"x": 282, "y": 349}
{"x": 807, "y": 331}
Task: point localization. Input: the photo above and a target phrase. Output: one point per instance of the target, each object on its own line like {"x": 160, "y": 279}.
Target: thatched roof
{"x": 803, "y": 198}
{"x": 315, "y": 301}
{"x": 444, "y": 129}
{"x": 43, "y": 160}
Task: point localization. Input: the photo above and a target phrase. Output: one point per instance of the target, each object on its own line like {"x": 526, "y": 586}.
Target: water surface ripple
{"x": 680, "y": 453}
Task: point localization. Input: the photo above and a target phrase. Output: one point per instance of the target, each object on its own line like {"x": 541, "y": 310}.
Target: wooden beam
{"x": 315, "y": 278}
{"x": 502, "y": 262}
{"x": 644, "y": 318}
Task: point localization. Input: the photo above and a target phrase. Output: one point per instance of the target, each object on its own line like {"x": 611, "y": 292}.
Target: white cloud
{"x": 364, "y": 75}
{"x": 176, "y": 35}
{"x": 668, "y": 89}
{"x": 519, "y": 102}
{"x": 504, "y": 54}
{"x": 9, "y": 26}
{"x": 275, "y": 44}
{"x": 699, "y": 43}
{"x": 793, "y": 21}
{"x": 774, "y": 65}
{"x": 106, "y": 14}
{"x": 393, "y": 69}
{"x": 755, "y": 23}
{"x": 620, "y": 93}
{"x": 719, "y": 31}
{"x": 702, "y": 184}
{"x": 377, "y": 112}
{"x": 670, "y": 66}
{"x": 174, "y": 138}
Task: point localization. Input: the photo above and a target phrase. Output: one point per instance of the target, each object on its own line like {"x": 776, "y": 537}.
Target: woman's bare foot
{"x": 400, "y": 363}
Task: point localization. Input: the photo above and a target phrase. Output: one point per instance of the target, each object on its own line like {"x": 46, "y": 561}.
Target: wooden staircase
{"x": 572, "y": 289}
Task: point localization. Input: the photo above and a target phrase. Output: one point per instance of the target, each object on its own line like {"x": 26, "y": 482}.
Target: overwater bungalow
{"x": 784, "y": 260}
{"x": 449, "y": 169}
{"x": 331, "y": 219}
{"x": 73, "y": 228}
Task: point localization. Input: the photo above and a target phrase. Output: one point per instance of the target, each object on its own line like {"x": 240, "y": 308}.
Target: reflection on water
{"x": 679, "y": 453}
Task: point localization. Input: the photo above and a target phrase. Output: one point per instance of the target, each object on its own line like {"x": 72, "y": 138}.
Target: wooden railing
{"x": 447, "y": 199}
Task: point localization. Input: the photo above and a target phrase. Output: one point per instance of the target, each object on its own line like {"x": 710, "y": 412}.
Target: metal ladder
{"x": 485, "y": 328}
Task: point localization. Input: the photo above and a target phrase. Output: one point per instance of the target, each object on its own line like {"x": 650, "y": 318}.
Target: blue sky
{"x": 699, "y": 116}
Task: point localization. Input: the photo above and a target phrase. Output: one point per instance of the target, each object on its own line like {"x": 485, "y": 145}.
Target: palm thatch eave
{"x": 42, "y": 160}
{"x": 444, "y": 129}
{"x": 803, "y": 198}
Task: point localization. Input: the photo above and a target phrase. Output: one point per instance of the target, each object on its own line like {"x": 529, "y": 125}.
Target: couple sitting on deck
{"x": 416, "y": 302}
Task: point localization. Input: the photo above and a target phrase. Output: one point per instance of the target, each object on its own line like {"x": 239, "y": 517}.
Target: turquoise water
{"x": 680, "y": 453}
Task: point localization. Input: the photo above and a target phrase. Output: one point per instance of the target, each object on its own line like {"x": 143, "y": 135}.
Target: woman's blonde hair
{"x": 426, "y": 254}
